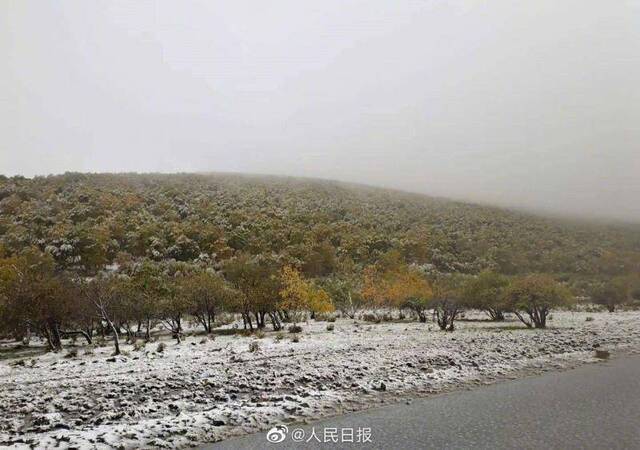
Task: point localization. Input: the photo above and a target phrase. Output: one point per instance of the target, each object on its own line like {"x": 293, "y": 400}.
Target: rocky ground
{"x": 204, "y": 390}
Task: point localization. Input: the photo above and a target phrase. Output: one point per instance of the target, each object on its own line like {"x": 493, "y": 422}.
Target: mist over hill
{"x": 88, "y": 221}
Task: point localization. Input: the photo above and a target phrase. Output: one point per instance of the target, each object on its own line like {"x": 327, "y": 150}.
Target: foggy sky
{"x": 533, "y": 104}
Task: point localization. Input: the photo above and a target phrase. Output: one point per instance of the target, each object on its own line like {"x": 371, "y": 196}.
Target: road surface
{"x": 591, "y": 407}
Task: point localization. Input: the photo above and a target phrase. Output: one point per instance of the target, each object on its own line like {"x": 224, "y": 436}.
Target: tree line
{"x": 136, "y": 296}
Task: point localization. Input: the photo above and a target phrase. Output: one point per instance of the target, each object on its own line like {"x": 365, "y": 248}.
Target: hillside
{"x": 87, "y": 221}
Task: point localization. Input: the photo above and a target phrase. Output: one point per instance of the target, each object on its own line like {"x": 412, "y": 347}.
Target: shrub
{"x": 486, "y": 293}
{"x": 614, "y": 292}
{"x": 331, "y": 319}
{"x": 254, "y": 346}
{"x": 532, "y": 297}
{"x": 295, "y": 338}
{"x": 279, "y": 337}
{"x": 330, "y": 327}
{"x": 370, "y": 317}
{"x": 295, "y": 329}
{"x": 589, "y": 319}
{"x": 161, "y": 347}
{"x": 72, "y": 353}
{"x": 138, "y": 345}
{"x": 88, "y": 351}
{"x": 259, "y": 334}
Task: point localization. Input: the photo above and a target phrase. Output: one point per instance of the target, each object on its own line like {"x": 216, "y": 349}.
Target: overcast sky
{"x": 525, "y": 103}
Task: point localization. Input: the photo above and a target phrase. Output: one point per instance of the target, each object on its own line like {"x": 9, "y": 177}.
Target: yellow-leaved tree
{"x": 397, "y": 287}
{"x": 298, "y": 294}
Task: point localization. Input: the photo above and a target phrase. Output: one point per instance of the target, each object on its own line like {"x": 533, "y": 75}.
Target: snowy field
{"x": 205, "y": 390}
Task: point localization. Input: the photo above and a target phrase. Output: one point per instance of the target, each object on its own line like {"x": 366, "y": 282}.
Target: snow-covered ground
{"x": 205, "y": 390}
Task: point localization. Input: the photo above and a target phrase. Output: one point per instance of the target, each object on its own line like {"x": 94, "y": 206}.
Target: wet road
{"x": 592, "y": 407}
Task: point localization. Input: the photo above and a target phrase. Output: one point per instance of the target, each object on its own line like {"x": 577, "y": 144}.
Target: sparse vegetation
{"x": 279, "y": 336}
{"x": 72, "y": 353}
{"x": 259, "y": 334}
{"x": 254, "y": 346}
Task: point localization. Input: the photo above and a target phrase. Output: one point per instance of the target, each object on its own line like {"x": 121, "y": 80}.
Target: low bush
{"x": 370, "y": 317}
{"x": 330, "y": 327}
{"x": 254, "y": 346}
{"x": 161, "y": 347}
{"x": 295, "y": 329}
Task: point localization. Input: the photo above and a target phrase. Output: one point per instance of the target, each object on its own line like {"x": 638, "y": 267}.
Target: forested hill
{"x": 87, "y": 221}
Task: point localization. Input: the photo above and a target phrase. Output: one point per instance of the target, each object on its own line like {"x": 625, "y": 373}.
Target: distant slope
{"x": 87, "y": 220}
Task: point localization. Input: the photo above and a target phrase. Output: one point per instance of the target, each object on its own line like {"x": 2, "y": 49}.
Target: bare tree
{"x": 104, "y": 293}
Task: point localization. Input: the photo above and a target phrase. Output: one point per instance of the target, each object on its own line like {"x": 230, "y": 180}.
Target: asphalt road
{"x": 591, "y": 407}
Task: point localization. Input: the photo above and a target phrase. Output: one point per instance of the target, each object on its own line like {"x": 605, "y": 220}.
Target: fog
{"x": 533, "y": 104}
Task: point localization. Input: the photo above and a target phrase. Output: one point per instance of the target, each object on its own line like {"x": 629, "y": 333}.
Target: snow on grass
{"x": 207, "y": 390}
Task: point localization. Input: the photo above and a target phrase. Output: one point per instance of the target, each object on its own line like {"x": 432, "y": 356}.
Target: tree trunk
{"x": 77, "y": 332}
{"x": 522, "y": 319}
{"x": 47, "y": 335}
{"x": 147, "y": 334}
{"x": 55, "y": 331}
{"x": 26, "y": 338}
{"x": 495, "y": 314}
{"x": 275, "y": 322}
{"x": 247, "y": 321}
{"x": 211, "y": 318}
{"x": 116, "y": 339}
